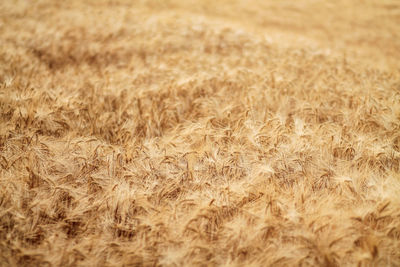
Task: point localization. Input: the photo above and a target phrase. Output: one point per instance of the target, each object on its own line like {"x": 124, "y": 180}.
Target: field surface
{"x": 200, "y": 133}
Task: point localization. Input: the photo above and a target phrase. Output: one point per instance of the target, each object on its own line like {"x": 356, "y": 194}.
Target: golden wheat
{"x": 178, "y": 133}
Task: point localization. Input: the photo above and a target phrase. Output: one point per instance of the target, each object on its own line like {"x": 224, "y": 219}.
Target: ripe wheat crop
{"x": 199, "y": 133}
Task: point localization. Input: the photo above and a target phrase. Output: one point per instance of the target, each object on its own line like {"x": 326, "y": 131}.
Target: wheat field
{"x": 200, "y": 133}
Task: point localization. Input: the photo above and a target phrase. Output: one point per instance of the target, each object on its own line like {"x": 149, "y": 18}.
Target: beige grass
{"x": 178, "y": 133}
